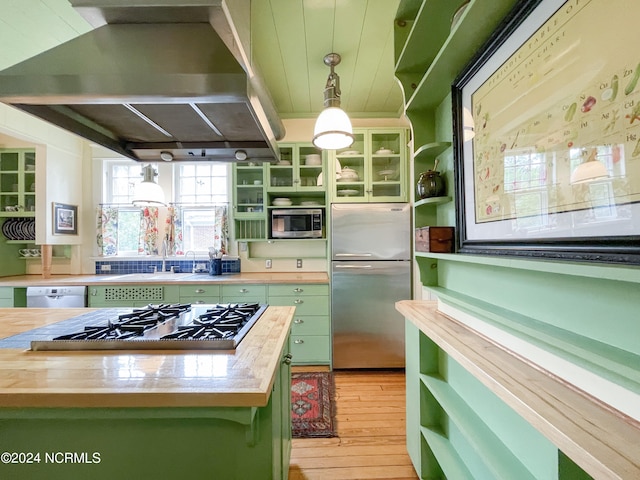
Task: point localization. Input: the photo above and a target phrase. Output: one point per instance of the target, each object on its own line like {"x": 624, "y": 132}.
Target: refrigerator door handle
{"x": 353, "y": 255}
{"x": 353, "y": 266}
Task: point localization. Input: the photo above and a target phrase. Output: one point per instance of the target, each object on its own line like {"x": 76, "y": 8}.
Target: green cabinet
{"x": 243, "y": 293}
{"x": 458, "y": 428}
{"x": 311, "y": 329}
{"x": 197, "y": 293}
{"x": 256, "y": 186}
{"x": 373, "y": 169}
{"x": 131, "y": 295}
{"x": 249, "y": 209}
{"x": 249, "y": 442}
{"x": 17, "y": 183}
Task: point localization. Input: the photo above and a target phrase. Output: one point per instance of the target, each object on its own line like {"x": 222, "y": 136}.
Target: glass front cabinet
{"x": 17, "y": 183}
{"x": 373, "y": 169}
{"x": 298, "y": 180}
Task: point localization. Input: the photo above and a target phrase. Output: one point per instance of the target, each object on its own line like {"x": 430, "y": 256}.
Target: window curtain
{"x": 173, "y": 230}
{"x": 107, "y": 230}
{"x": 221, "y": 229}
{"x": 148, "y": 240}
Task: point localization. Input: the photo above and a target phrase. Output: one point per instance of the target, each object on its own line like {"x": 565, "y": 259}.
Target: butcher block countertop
{"x": 217, "y": 378}
{"x": 165, "y": 278}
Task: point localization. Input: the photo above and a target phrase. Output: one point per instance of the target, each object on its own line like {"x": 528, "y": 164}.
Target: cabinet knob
{"x": 298, "y": 342}
{"x": 244, "y": 290}
{"x": 298, "y": 290}
{"x": 298, "y": 321}
{"x": 287, "y": 359}
{"x": 298, "y": 301}
{"x": 199, "y": 290}
{"x": 199, "y": 302}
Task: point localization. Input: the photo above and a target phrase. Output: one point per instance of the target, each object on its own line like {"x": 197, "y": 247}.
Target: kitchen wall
{"x": 59, "y": 178}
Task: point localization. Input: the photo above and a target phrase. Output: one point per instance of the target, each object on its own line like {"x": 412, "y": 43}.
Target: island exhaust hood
{"x": 152, "y": 83}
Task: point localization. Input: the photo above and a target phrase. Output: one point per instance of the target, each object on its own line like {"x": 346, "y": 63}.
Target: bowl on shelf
{"x": 282, "y": 202}
{"x": 348, "y": 175}
{"x": 313, "y": 159}
{"x": 384, "y": 151}
{"x": 387, "y": 175}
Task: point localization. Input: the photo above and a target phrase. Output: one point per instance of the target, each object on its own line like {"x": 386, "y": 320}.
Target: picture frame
{"x": 553, "y": 169}
{"x": 65, "y": 219}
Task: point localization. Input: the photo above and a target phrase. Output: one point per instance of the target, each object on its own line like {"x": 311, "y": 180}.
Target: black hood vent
{"x": 166, "y": 87}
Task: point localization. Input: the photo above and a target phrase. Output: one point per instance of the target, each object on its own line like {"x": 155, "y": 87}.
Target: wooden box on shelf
{"x": 435, "y": 239}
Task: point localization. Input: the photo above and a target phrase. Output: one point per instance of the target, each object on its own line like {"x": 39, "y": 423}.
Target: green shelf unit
{"x": 458, "y": 427}
{"x": 496, "y": 456}
{"x": 448, "y": 460}
{"x": 432, "y": 201}
{"x": 428, "y": 31}
{"x": 476, "y": 26}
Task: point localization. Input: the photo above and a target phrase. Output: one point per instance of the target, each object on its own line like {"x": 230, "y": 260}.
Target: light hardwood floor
{"x": 371, "y": 432}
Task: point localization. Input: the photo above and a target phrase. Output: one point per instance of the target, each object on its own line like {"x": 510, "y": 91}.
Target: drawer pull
{"x": 298, "y": 290}
{"x": 199, "y": 302}
{"x": 298, "y": 321}
{"x": 298, "y": 301}
{"x": 298, "y": 342}
{"x": 199, "y": 290}
{"x": 244, "y": 290}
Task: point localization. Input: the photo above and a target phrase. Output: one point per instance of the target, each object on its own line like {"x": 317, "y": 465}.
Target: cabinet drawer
{"x": 304, "y": 305}
{"x": 310, "y": 325}
{"x": 298, "y": 290}
{"x": 242, "y": 290}
{"x": 201, "y": 299}
{"x": 310, "y": 349}
{"x": 241, "y": 299}
{"x": 199, "y": 291}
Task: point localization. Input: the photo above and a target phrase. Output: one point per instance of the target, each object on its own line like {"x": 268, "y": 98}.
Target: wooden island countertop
{"x": 119, "y": 378}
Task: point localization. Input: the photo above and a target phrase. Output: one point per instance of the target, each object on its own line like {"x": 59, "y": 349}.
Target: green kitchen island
{"x": 120, "y": 414}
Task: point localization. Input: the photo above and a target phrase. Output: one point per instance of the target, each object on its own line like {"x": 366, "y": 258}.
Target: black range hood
{"x": 152, "y": 83}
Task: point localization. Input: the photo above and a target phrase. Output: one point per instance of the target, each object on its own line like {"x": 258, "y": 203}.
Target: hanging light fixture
{"x": 333, "y": 128}
{"x": 592, "y": 169}
{"x": 148, "y": 192}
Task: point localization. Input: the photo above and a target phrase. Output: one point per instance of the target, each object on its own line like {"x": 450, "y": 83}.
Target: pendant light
{"x": 590, "y": 170}
{"x": 333, "y": 128}
{"x": 148, "y": 192}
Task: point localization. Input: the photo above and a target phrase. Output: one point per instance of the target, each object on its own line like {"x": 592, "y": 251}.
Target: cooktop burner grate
{"x": 163, "y": 327}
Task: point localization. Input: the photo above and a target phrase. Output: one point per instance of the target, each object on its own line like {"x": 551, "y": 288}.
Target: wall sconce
{"x": 468, "y": 125}
{"x": 333, "y": 128}
{"x": 589, "y": 170}
{"x": 148, "y": 192}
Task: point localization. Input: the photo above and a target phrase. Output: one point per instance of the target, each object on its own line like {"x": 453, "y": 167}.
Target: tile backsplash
{"x": 120, "y": 267}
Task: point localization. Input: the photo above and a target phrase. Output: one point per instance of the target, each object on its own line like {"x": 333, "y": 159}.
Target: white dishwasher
{"x": 57, "y": 297}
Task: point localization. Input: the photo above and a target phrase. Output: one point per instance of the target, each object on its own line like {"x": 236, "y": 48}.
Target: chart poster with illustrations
{"x": 556, "y": 152}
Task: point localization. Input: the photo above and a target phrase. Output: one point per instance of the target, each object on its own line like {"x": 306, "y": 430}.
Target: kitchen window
{"x": 195, "y": 220}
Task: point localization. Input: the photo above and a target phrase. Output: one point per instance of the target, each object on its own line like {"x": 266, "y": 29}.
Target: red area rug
{"x": 313, "y": 405}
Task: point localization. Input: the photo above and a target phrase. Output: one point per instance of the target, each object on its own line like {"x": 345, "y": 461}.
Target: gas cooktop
{"x": 161, "y": 327}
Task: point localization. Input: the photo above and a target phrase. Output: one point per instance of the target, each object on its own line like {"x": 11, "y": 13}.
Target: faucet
{"x": 193, "y": 264}
{"x": 165, "y": 247}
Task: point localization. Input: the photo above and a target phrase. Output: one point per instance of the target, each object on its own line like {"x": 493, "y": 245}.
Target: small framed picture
{"x": 65, "y": 219}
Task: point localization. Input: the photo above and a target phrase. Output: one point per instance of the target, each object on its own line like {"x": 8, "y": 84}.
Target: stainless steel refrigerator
{"x": 370, "y": 271}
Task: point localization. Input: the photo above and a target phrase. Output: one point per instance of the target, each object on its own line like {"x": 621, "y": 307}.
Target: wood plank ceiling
{"x": 289, "y": 41}
{"x": 291, "y": 37}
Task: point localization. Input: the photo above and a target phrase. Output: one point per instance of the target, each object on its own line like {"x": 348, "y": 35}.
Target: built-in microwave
{"x": 296, "y": 223}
